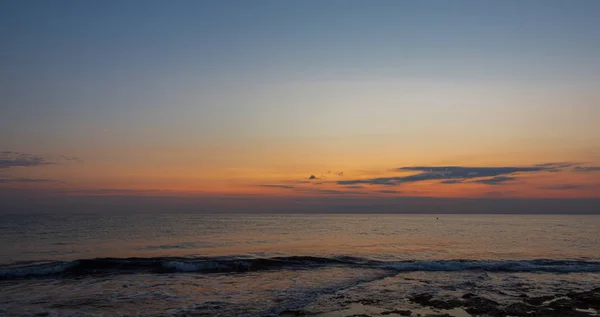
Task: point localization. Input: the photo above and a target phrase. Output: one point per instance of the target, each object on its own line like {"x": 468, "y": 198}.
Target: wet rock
{"x": 519, "y": 309}
{"x": 541, "y": 306}
{"x": 537, "y": 301}
{"x": 481, "y": 301}
{"x": 363, "y": 301}
{"x": 558, "y": 308}
{"x": 562, "y": 304}
{"x": 293, "y": 312}
{"x": 439, "y": 315}
{"x": 359, "y": 315}
{"x": 427, "y": 300}
{"x": 397, "y": 311}
{"x": 422, "y": 299}
{"x": 193, "y": 314}
{"x": 546, "y": 312}
{"x": 481, "y": 305}
{"x": 585, "y": 300}
{"x": 447, "y": 304}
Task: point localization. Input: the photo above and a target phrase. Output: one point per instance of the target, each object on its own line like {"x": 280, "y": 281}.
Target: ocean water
{"x": 265, "y": 265}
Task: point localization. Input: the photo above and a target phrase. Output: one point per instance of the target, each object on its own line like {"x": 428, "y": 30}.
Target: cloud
{"x": 390, "y": 181}
{"x": 71, "y": 158}
{"x": 452, "y": 181}
{"x": 471, "y": 172}
{"x": 456, "y": 174}
{"x": 331, "y": 191}
{"x": 587, "y": 168}
{"x": 315, "y": 190}
{"x": 385, "y": 191}
{"x": 557, "y": 165}
{"x": 495, "y": 181}
{"x": 277, "y": 186}
{"x": 10, "y": 159}
{"x": 329, "y": 174}
{"x": 15, "y": 159}
{"x": 354, "y": 186}
{"x": 568, "y": 186}
{"x": 26, "y": 180}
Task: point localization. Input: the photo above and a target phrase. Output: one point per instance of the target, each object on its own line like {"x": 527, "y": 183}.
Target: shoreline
{"x": 570, "y": 304}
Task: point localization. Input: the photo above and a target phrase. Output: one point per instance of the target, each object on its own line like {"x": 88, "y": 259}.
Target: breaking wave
{"x": 106, "y": 266}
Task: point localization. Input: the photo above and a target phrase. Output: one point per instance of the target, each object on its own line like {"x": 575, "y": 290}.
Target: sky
{"x": 317, "y": 102}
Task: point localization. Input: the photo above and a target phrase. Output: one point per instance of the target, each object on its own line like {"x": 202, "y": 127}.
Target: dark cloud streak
{"x": 26, "y": 180}
{"x": 568, "y": 186}
{"x": 277, "y": 186}
{"x": 587, "y": 168}
{"x": 385, "y": 191}
{"x": 495, "y": 181}
{"x": 452, "y": 181}
{"x": 457, "y": 174}
{"x": 10, "y": 159}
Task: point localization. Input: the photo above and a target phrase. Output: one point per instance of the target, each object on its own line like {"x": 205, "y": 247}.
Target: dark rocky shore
{"x": 571, "y": 304}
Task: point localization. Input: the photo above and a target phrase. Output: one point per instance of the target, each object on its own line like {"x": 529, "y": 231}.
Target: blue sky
{"x": 252, "y": 89}
{"x": 95, "y": 49}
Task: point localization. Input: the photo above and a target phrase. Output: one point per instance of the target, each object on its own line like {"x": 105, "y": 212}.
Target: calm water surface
{"x": 382, "y": 237}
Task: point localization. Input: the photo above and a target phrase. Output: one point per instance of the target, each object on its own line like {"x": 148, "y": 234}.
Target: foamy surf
{"x": 159, "y": 265}
{"x": 551, "y": 266}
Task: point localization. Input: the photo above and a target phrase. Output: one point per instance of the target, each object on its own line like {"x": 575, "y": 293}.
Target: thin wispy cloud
{"x": 587, "y": 168}
{"x": 277, "y": 186}
{"x": 26, "y": 180}
{"x": 71, "y": 158}
{"x": 495, "y": 181}
{"x": 10, "y": 159}
{"x": 568, "y": 186}
{"x": 452, "y": 181}
{"x": 557, "y": 166}
{"x": 331, "y": 191}
{"x": 315, "y": 190}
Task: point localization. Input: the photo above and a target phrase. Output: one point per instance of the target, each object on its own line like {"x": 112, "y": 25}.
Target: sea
{"x": 274, "y": 264}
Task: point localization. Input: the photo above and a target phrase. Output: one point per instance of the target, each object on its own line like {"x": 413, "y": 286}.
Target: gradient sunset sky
{"x": 272, "y": 99}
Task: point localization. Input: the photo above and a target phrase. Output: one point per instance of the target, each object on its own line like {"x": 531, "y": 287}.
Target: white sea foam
{"x": 496, "y": 266}
{"x": 36, "y": 270}
{"x": 194, "y": 266}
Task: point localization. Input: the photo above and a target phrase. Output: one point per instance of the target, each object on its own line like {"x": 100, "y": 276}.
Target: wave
{"x": 107, "y": 266}
{"x": 541, "y": 266}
